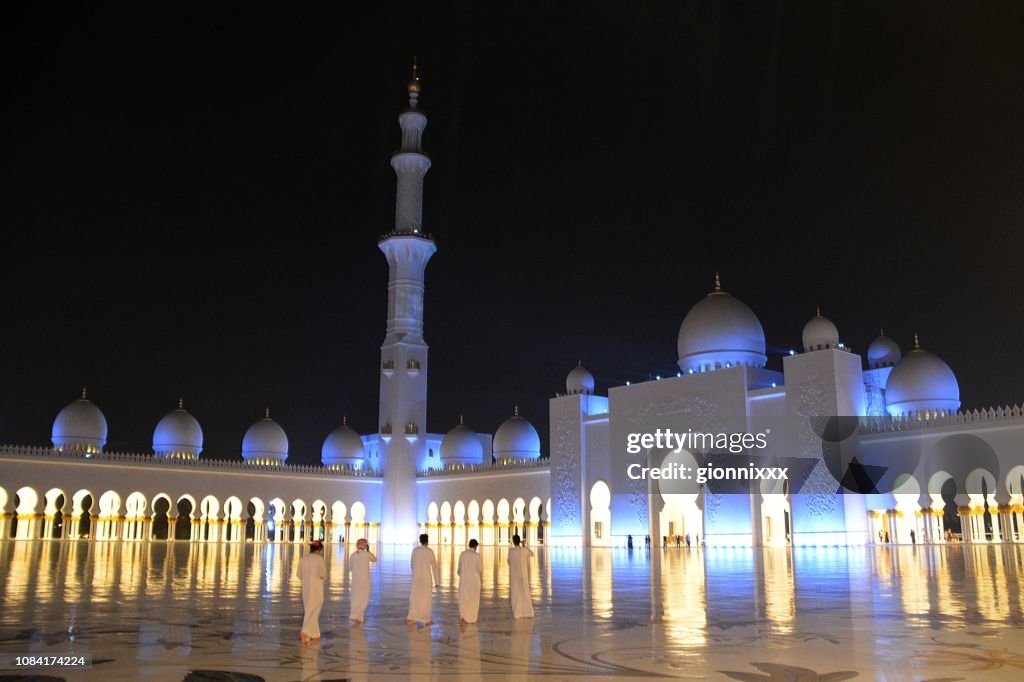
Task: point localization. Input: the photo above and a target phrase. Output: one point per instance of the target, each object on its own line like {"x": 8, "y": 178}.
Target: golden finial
{"x": 718, "y": 282}
{"x": 881, "y": 331}
{"x": 344, "y": 420}
{"x": 515, "y": 410}
{"x": 414, "y": 84}
{"x": 181, "y": 404}
{"x": 917, "y": 342}
{"x": 266, "y": 413}
{"x": 83, "y": 393}
{"x": 462, "y": 422}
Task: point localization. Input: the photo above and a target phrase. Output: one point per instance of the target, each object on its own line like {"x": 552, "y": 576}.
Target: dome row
{"x": 720, "y": 331}
{"x": 81, "y": 426}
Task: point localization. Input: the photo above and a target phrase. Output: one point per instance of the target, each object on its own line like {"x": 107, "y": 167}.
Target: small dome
{"x": 265, "y": 440}
{"x": 343, "y": 447}
{"x": 921, "y": 384}
{"x": 178, "y": 433}
{"x": 579, "y": 381}
{"x": 720, "y": 331}
{"x": 516, "y": 439}
{"x": 883, "y": 352}
{"x": 461, "y": 445}
{"x": 820, "y": 334}
{"x": 80, "y": 426}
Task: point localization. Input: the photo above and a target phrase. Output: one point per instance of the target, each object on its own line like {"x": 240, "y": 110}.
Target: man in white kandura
{"x": 519, "y": 579}
{"x": 470, "y": 572}
{"x": 425, "y": 578}
{"x": 312, "y": 573}
{"x": 359, "y": 568}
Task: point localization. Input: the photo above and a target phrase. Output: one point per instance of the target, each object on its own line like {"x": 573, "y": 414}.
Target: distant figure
{"x": 359, "y": 567}
{"x": 424, "y": 579}
{"x": 629, "y": 541}
{"x": 470, "y": 573}
{"x": 664, "y": 541}
{"x": 881, "y": 535}
{"x": 687, "y": 541}
{"x": 519, "y": 579}
{"x": 647, "y": 542}
{"x": 312, "y": 573}
{"x": 887, "y": 537}
{"x": 913, "y": 538}
{"x": 679, "y": 539}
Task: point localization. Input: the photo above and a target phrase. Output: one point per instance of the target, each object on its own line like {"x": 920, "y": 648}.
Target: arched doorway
{"x": 250, "y": 522}
{"x": 907, "y": 492}
{"x": 319, "y": 520}
{"x": 183, "y": 524}
{"x": 504, "y": 522}
{"x": 84, "y": 514}
{"x": 776, "y": 516}
{"x": 1015, "y": 486}
{"x": 950, "y": 517}
{"x": 600, "y": 515}
{"x": 487, "y": 523}
{"x": 161, "y": 525}
{"x": 53, "y": 514}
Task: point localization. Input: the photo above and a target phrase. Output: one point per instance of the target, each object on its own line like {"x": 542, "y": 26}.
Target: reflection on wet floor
{"x": 157, "y": 610}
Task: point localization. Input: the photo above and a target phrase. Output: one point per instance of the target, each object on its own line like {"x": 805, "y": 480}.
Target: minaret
{"x": 403, "y": 370}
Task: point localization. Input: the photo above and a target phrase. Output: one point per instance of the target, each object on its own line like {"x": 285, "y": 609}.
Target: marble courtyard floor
{"x": 162, "y": 611}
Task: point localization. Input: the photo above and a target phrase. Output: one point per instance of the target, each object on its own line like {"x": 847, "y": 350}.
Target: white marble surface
{"x": 157, "y": 611}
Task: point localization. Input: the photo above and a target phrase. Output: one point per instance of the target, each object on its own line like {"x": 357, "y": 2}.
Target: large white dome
{"x": 178, "y": 434}
{"x": 516, "y": 439}
{"x": 265, "y": 440}
{"x": 461, "y": 445}
{"x": 80, "y": 426}
{"x": 579, "y": 381}
{"x": 343, "y": 447}
{"x": 820, "y": 334}
{"x": 720, "y": 331}
{"x": 883, "y": 352}
{"x": 921, "y": 385}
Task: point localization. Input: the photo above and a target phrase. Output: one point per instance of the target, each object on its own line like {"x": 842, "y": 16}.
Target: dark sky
{"x": 194, "y": 196}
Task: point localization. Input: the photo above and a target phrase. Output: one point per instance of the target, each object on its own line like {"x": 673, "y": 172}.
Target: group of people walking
{"x": 312, "y": 573}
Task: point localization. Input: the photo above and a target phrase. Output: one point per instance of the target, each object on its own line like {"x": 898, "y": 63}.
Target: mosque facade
{"x": 929, "y": 471}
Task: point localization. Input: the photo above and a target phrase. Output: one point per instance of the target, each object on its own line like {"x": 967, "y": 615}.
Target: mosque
{"x": 943, "y": 474}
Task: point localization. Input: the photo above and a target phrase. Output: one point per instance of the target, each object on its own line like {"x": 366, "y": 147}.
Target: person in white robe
{"x": 470, "y": 572}
{"x": 359, "y": 587}
{"x": 519, "y": 579}
{"x": 425, "y": 578}
{"x": 312, "y": 573}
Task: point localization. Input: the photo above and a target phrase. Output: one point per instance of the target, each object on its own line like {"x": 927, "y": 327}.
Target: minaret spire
{"x": 410, "y": 163}
{"x": 403, "y": 368}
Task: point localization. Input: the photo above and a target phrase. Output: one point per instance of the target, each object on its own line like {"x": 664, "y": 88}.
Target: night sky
{"x": 194, "y": 196}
